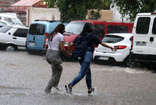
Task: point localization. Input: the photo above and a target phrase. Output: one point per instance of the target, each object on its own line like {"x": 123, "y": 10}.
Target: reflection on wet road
{"x": 23, "y": 78}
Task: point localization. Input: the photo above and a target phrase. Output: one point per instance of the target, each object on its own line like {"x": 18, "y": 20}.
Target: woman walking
{"x": 85, "y": 62}
{"x": 55, "y": 45}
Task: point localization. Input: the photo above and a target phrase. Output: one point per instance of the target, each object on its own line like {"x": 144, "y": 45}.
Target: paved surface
{"x": 23, "y": 78}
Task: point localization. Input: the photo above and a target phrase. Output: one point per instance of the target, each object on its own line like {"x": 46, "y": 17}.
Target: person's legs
{"x": 88, "y": 78}
{"x": 59, "y": 72}
{"x": 53, "y": 78}
{"x": 84, "y": 68}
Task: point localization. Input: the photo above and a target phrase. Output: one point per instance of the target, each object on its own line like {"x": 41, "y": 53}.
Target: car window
{"x": 112, "y": 39}
{"x": 154, "y": 27}
{"x": 143, "y": 25}
{"x": 7, "y": 19}
{"x": 2, "y": 23}
{"x": 21, "y": 32}
{"x": 75, "y": 27}
{"x": 37, "y": 29}
{"x": 117, "y": 29}
{"x": 5, "y": 29}
{"x": 98, "y": 30}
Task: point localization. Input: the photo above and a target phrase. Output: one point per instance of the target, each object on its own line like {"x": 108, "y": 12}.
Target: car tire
{"x": 11, "y": 48}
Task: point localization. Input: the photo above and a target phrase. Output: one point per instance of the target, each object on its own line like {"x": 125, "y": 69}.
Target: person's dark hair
{"x": 87, "y": 28}
{"x": 59, "y": 28}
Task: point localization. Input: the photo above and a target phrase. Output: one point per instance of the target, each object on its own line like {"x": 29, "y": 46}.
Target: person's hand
{"x": 69, "y": 54}
{"x": 113, "y": 48}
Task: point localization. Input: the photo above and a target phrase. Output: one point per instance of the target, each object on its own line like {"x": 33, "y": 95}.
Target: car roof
{"x": 121, "y": 34}
{"x": 17, "y": 26}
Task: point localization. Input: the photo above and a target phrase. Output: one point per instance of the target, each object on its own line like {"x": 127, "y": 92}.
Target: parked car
{"x": 11, "y": 17}
{"x": 38, "y": 33}
{"x": 74, "y": 28}
{"x": 121, "y": 41}
{"x": 13, "y": 37}
{"x": 144, "y": 39}
{"x": 5, "y": 23}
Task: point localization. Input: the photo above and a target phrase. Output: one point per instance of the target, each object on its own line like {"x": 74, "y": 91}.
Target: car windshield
{"x": 37, "y": 29}
{"x": 16, "y": 21}
{"x": 5, "y": 29}
{"x": 112, "y": 39}
{"x": 74, "y": 27}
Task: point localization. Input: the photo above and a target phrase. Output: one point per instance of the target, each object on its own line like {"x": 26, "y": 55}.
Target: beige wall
{"x": 106, "y": 15}
{"x": 42, "y": 14}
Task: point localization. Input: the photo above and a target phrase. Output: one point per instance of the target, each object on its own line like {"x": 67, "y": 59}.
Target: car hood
{"x": 69, "y": 37}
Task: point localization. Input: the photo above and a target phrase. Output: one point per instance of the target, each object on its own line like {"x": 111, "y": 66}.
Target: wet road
{"x": 23, "y": 78}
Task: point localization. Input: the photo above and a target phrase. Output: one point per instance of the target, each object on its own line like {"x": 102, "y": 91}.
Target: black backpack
{"x": 81, "y": 46}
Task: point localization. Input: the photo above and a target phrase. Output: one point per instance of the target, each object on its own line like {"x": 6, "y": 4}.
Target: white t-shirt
{"x": 55, "y": 43}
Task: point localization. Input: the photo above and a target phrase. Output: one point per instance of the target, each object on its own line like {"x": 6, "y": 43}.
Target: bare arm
{"x": 63, "y": 49}
{"x": 106, "y": 45}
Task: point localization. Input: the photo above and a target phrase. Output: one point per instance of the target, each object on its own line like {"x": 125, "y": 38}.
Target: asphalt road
{"x": 23, "y": 78}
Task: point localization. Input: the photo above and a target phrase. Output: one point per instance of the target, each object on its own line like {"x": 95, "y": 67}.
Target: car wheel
{"x": 131, "y": 63}
{"x": 11, "y": 48}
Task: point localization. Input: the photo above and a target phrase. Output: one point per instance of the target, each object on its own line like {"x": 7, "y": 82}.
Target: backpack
{"x": 81, "y": 46}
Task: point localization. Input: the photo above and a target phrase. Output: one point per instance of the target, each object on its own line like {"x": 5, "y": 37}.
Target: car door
{"x": 152, "y": 36}
{"x": 36, "y": 36}
{"x": 141, "y": 33}
{"x": 19, "y": 36}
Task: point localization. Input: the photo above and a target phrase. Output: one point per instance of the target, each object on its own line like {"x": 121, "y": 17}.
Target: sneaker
{"x": 57, "y": 88}
{"x": 92, "y": 90}
{"x": 47, "y": 91}
{"x": 68, "y": 89}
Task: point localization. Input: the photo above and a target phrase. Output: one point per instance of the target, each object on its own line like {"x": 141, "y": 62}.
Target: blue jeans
{"x": 84, "y": 71}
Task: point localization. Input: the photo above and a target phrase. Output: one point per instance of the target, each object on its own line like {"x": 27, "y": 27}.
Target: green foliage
{"x": 132, "y": 7}
{"x": 94, "y": 15}
{"x": 76, "y": 9}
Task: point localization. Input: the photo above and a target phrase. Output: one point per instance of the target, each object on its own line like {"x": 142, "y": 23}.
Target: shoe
{"x": 57, "y": 88}
{"x": 47, "y": 91}
{"x": 68, "y": 89}
{"x": 92, "y": 90}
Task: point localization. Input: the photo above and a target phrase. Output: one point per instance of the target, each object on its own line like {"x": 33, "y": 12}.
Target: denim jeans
{"x": 84, "y": 71}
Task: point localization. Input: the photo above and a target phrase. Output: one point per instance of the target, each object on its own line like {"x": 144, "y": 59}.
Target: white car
{"x": 13, "y": 37}
{"x": 5, "y": 23}
{"x": 121, "y": 41}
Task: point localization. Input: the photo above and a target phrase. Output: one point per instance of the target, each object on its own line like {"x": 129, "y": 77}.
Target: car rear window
{"x": 143, "y": 25}
{"x": 5, "y": 29}
{"x": 37, "y": 29}
{"x": 112, "y": 39}
{"x": 117, "y": 29}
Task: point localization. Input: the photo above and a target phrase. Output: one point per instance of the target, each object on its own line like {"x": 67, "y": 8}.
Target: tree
{"x": 132, "y": 7}
{"x": 75, "y": 9}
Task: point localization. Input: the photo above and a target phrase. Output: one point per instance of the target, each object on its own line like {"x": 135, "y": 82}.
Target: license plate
{"x": 140, "y": 43}
{"x": 103, "y": 58}
{"x": 31, "y": 43}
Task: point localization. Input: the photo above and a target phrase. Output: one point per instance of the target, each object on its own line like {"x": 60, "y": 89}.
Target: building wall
{"x": 6, "y": 4}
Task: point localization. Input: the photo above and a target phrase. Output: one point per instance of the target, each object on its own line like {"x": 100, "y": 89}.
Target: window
{"x": 117, "y": 29}
{"x": 99, "y": 30}
{"x": 154, "y": 27}
{"x": 143, "y": 25}
{"x": 37, "y": 29}
{"x": 21, "y": 33}
{"x": 75, "y": 27}
{"x": 8, "y": 19}
{"x": 5, "y": 29}
{"x": 112, "y": 39}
